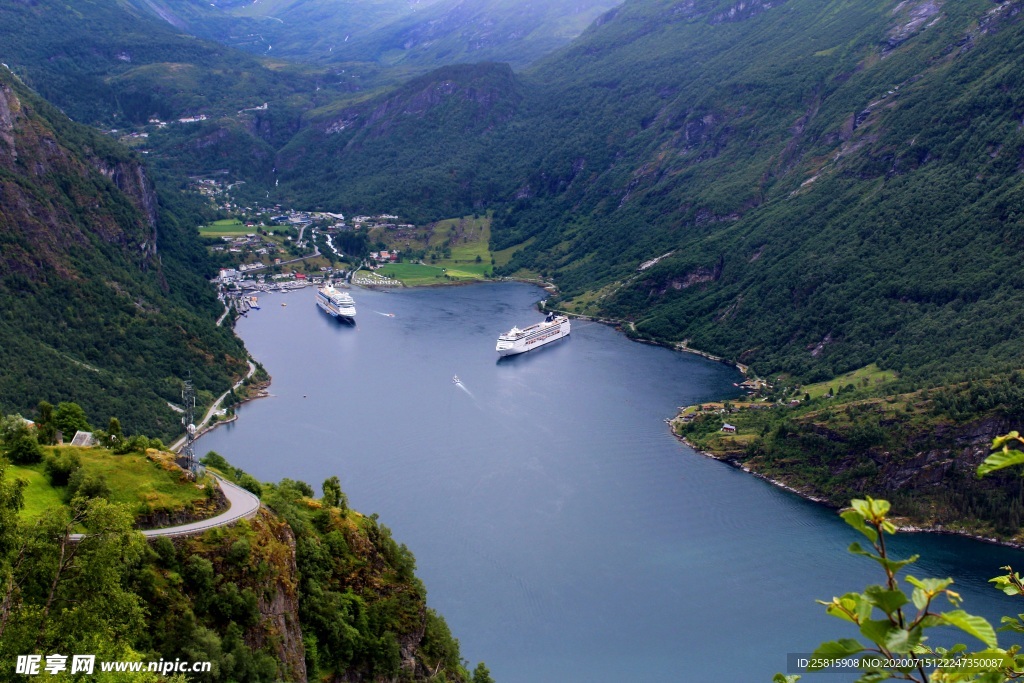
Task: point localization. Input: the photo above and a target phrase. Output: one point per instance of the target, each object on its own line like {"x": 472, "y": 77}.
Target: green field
{"x": 229, "y": 227}
{"x": 133, "y": 479}
{"x": 868, "y": 376}
{"x": 39, "y": 495}
{"x": 502, "y": 257}
{"x": 413, "y": 274}
{"x": 467, "y": 240}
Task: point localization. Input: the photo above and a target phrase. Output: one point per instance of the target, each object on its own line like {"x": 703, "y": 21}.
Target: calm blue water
{"x": 559, "y": 527}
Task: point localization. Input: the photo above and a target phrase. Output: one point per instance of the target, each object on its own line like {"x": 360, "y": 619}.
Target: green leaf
{"x": 1012, "y": 624}
{"x": 838, "y": 648}
{"x": 1008, "y": 583}
{"x": 895, "y": 565}
{"x": 974, "y": 625}
{"x": 852, "y": 607}
{"x": 926, "y": 589}
{"x": 856, "y": 520}
{"x": 779, "y": 678}
{"x": 871, "y": 509}
{"x": 1001, "y": 441}
{"x": 883, "y": 633}
{"x": 933, "y": 586}
{"x": 1001, "y": 460}
{"x": 886, "y": 600}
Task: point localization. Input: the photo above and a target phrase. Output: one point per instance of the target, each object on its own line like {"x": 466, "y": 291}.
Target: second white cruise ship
{"x": 519, "y": 341}
{"x": 336, "y": 303}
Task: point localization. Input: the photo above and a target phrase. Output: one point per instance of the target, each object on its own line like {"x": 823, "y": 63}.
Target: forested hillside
{"x": 108, "y": 63}
{"x": 461, "y": 31}
{"x": 405, "y": 36}
{"x": 306, "y": 590}
{"x": 408, "y": 132}
{"x": 829, "y": 183}
{"x": 304, "y": 30}
{"x": 104, "y": 300}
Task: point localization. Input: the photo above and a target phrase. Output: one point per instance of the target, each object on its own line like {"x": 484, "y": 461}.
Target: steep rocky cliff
{"x": 306, "y": 591}
{"x": 58, "y": 194}
{"x": 102, "y": 301}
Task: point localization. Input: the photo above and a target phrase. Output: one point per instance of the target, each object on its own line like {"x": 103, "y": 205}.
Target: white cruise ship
{"x": 518, "y": 341}
{"x": 337, "y": 303}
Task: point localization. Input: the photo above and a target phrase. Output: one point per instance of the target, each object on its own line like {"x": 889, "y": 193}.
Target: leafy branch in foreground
{"x": 893, "y": 626}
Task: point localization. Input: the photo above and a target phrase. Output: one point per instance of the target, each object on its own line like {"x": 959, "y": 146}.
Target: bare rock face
{"x": 745, "y": 9}
{"x": 911, "y": 18}
{"x": 8, "y": 103}
{"x": 279, "y": 603}
{"x": 72, "y": 204}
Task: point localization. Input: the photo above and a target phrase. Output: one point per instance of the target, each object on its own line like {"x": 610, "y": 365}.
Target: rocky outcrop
{"x": 912, "y": 17}
{"x": 160, "y": 519}
{"x": 64, "y": 202}
{"x": 269, "y": 570}
{"x": 744, "y": 9}
{"x": 8, "y": 103}
{"x": 279, "y": 602}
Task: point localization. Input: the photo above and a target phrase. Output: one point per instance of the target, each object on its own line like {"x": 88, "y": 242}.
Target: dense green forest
{"x": 832, "y": 183}
{"x": 917, "y": 447}
{"x": 108, "y": 63}
{"x": 103, "y": 284}
{"x": 829, "y": 183}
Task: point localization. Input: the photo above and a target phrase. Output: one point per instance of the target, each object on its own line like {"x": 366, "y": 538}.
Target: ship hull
{"x": 347, "y": 314}
{"x": 552, "y": 334}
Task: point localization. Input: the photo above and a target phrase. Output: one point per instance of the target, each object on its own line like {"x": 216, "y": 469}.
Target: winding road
{"x": 176, "y": 446}
{"x": 241, "y": 505}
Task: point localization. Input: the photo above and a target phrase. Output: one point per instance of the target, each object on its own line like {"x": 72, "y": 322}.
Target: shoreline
{"x": 213, "y": 425}
{"x": 685, "y": 348}
{"x": 682, "y": 346}
{"x": 902, "y": 525}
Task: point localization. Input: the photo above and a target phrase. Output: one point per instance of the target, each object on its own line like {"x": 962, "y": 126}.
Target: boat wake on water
{"x": 386, "y": 315}
{"x": 458, "y": 382}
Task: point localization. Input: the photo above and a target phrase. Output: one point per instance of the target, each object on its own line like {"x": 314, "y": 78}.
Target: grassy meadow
{"x": 147, "y": 483}
{"x": 228, "y": 227}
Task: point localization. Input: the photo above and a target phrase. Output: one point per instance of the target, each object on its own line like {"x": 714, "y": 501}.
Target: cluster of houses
{"x": 250, "y": 244}
{"x": 80, "y": 439}
{"x": 384, "y": 256}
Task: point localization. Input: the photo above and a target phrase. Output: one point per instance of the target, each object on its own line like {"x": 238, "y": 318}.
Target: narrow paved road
{"x": 241, "y": 505}
{"x": 176, "y": 446}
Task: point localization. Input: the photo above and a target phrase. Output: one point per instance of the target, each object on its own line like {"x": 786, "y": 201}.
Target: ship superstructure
{"x": 336, "y": 303}
{"x": 517, "y": 340}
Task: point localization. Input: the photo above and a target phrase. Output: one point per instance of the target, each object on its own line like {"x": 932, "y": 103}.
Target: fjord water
{"x": 561, "y": 530}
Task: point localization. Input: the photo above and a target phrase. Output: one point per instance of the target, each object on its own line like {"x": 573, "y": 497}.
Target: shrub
{"x": 25, "y": 450}
{"x": 60, "y": 467}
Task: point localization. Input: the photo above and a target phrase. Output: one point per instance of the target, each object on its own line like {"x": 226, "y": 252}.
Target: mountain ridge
{"x": 102, "y": 301}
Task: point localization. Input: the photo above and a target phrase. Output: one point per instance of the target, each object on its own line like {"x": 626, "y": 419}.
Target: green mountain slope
{"x": 102, "y": 301}
{"x": 457, "y": 31}
{"x": 838, "y": 183}
{"x": 830, "y": 183}
{"x": 305, "y": 30}
{"x": 412, "y": 35}
{"x": 422, "y": 148}
{"x": 107, "y": 62}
